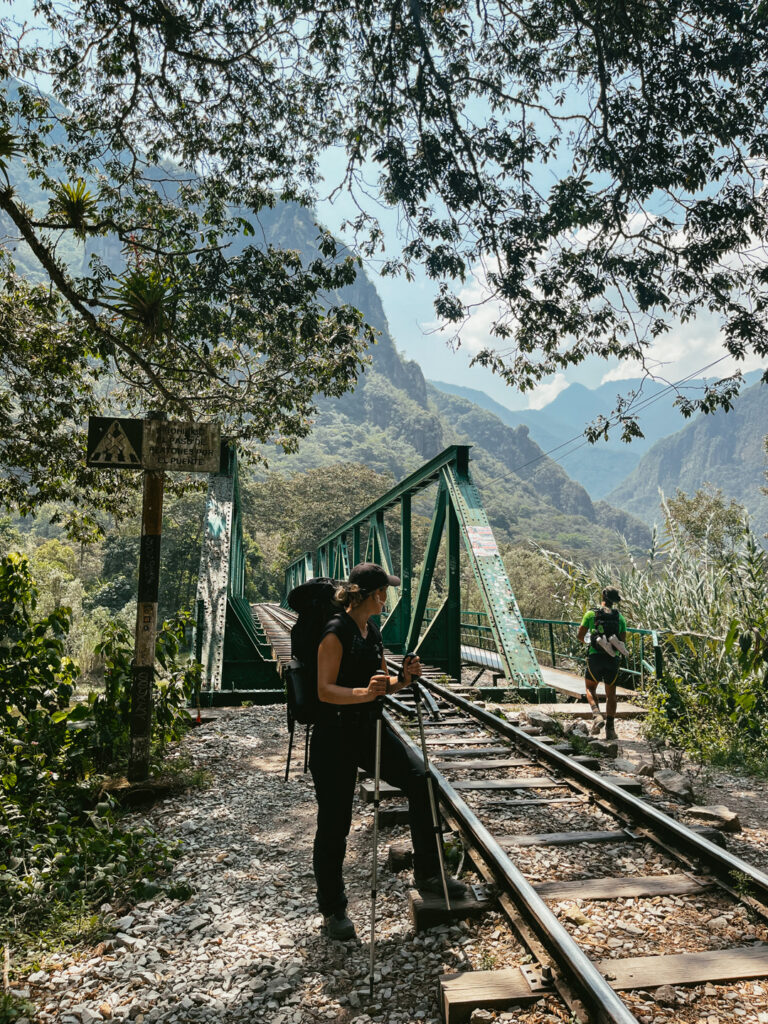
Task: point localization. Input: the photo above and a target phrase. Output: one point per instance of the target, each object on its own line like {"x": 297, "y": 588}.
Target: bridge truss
{"x": 460, "y": 516}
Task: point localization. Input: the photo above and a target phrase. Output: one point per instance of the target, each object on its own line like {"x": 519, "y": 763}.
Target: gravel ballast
{"x": 248, "y": 944}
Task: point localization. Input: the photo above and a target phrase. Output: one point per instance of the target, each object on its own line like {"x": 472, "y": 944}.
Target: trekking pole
{"x": 375, "y": 867}
{"x": 417, "y": 697}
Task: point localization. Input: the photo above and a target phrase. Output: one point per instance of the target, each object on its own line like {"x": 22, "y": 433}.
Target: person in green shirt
{"x": 607, "y": 630}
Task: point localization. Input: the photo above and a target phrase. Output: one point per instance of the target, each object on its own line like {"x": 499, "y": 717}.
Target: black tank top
{"x": 360, "y": 659}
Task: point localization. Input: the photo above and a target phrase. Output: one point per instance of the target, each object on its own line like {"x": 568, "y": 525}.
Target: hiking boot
{"x": 610, "y": 730}
{"x": 434, "y": 887}
{"x": 338, "y": 926}
{"x": 597, "y": 723}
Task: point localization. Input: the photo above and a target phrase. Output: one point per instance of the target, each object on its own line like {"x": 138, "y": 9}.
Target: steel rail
{"x": 596, "y": 993}
{"x": 731, "y": 869}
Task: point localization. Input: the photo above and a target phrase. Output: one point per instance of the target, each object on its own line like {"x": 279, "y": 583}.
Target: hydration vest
{"x": 607, "y": 621}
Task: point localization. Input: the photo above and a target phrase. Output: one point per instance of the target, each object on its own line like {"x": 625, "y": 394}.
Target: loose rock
{"x": 674, "y": 784}
{"x": 718, "y": 815}
{"x": 542, "y": 721}
{"x": 665, "y": 995}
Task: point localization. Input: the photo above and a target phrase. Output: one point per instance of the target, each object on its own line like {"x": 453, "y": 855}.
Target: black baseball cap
{"x": 370, "y": 577}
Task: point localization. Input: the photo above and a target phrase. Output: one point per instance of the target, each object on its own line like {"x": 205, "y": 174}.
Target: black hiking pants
{"x": 339, "y": 745}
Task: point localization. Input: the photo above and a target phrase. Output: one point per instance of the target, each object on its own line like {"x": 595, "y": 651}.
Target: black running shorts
{"x": 602, "y": 668}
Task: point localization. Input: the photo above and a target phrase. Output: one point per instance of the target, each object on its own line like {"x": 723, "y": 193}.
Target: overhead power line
{"x": 641, "y": 405}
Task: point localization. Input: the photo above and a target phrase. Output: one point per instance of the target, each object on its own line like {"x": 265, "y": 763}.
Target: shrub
{"x": 56, "y": 842}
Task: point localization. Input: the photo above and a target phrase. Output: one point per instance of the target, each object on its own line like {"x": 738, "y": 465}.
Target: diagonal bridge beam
{"x": 460, "y": 515}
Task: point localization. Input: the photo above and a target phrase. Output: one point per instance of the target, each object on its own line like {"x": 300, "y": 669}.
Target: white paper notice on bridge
{"x": 181, "y": 447}
{"x": 482, "y": 541}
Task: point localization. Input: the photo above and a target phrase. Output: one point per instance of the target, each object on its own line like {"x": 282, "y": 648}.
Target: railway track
{"x": 545, "y": 828}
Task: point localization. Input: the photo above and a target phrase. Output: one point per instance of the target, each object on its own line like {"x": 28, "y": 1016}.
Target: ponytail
{"x": 349, "y": 595}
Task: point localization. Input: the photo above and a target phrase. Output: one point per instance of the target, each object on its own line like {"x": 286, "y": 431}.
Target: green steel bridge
{"x": 526, "y": 657}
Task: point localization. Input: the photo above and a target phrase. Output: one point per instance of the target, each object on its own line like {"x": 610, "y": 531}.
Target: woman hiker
{"x": 351, "y": 675}
{"x": 607, "y": 629}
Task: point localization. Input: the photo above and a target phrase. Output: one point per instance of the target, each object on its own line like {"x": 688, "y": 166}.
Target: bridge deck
{"x": 567, "y": 683}
{"x": 275, "y": 623}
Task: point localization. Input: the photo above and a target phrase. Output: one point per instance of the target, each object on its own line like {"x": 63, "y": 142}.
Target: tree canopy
{"x": 604, "y": 164}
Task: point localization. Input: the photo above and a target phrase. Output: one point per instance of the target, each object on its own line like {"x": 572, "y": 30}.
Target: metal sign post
{"x": 154, "y": 445}
{"x": 143, "y": 667}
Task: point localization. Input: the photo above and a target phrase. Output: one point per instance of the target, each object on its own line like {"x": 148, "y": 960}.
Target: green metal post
{"x": 453, "y": 579}
{"x": 433, "y": 546}
{"x": 372, "y": 547}
{"x": 658, "y": 657}
{"x": 552, "y": 644}
{"x": 642, "y": 660}
{"x": 405, "y": 558}
{"x": 356, "y": 544}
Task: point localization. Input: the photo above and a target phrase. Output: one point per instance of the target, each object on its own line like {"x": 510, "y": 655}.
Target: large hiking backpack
{"x": 314, "y": 603}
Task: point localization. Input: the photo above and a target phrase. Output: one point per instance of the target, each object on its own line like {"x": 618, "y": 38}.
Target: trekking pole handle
{"x": 408, "y": 657}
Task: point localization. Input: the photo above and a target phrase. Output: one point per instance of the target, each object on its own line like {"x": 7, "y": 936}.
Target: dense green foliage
{"x": 60, "y": 841}
{"x": 704, "y": 590}
{"x": 287, "y": 515}
{"x": 97, "y": 580}
{"x": 605, "y": 167}
{"x": 143, "y": 285}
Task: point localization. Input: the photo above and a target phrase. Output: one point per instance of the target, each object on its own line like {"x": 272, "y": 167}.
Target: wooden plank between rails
{"x": 686, "y": 968}
{"x": 623, "y": 888}
{"x": 473, "y": 741}
{"x": 569, "y": 838}
{"x": 534, "y": 782}
{"x": 460, "y": 994}
{"x": 456, "y": 752}
{"x": 512, "y": 762}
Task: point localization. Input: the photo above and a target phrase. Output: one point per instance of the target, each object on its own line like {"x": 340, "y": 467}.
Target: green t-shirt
{"x": 589, "y": 622}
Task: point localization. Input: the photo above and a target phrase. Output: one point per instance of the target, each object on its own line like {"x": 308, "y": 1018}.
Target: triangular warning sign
{"x": 114, "y": 449}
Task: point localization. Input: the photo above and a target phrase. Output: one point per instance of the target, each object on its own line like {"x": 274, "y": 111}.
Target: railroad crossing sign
{"x": 154, "y": 444}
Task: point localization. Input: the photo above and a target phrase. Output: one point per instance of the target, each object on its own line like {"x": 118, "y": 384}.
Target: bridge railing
{"x": 555, "y": 644}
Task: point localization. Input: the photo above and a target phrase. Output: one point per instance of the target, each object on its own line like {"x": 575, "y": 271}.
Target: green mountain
{"x": 393, "y": 421}
{"x": 600, "y": 466}
{"x": 722, "y": 449}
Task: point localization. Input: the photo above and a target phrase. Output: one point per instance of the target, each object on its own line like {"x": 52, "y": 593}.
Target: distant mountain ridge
{"x": 722, "y": 449}
{"x": 602, "y": 466}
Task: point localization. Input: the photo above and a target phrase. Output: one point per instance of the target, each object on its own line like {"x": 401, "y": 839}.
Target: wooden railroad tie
{"x": 427, "y": 911}
{"x": 387, "y": 792}
{"x": 460, "y": 994}
{"x": 543, "y": 782}
{"x": 585, "y": 760}
{"x": 618, "y": 836}
{"x": 459, "y": 752}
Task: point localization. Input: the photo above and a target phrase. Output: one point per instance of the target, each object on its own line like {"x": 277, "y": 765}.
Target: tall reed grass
{"x": 709, "y": 603}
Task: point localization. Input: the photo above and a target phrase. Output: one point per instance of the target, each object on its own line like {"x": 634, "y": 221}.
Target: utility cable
{"x": 641, "y": 405}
